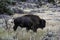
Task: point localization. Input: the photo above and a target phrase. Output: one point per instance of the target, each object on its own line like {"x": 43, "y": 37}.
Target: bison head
{"x": 42, "y": 23}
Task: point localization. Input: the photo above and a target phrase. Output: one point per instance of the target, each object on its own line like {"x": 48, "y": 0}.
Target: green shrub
{"x": 4, "y": 7}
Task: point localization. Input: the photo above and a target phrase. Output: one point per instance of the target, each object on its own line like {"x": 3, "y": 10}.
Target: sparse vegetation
{"x": 52, "y": 1}
{"x": 52, "y": 18}
{"x": 4, "y": 7}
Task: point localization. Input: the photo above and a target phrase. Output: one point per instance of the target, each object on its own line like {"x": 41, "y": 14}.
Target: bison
{"x": 32, "y": 22}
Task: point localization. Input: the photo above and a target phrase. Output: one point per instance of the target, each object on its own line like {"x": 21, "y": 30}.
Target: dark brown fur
{"x": 32, "y": 22}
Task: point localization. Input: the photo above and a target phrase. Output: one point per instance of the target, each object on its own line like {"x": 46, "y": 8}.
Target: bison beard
{"x": 32, "y": 22}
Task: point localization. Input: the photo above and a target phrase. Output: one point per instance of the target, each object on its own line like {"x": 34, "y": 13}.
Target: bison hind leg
{"x": 15, "y": 27}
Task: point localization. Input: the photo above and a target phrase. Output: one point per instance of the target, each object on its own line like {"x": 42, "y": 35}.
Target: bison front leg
{"x": 34, "y": 28}
{"x": 28, "y": 29}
